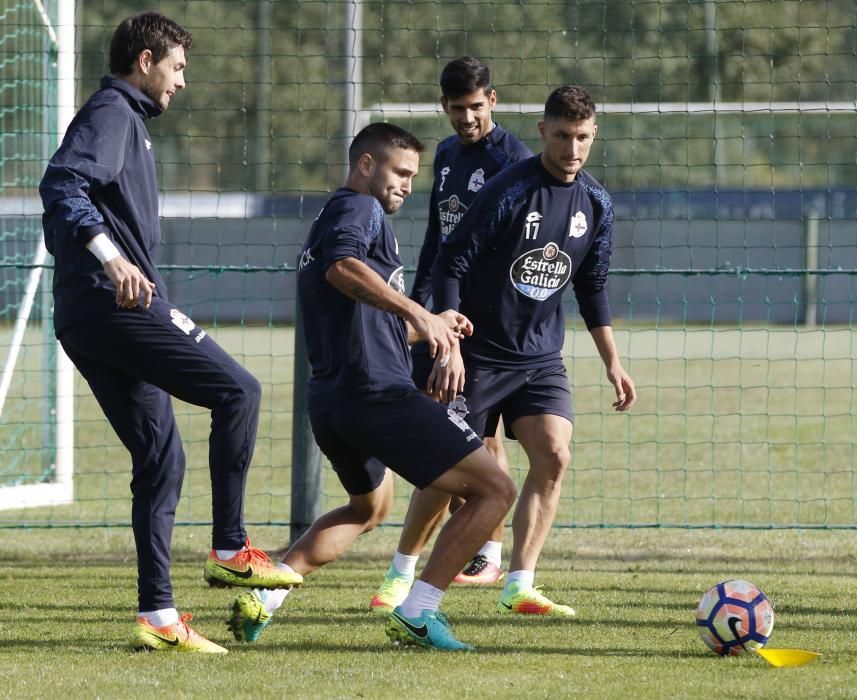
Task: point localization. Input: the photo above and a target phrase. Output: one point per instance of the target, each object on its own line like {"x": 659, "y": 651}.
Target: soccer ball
{"x": 734, "y": 617}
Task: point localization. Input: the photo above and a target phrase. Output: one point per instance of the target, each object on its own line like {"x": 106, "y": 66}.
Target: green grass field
{"x": 733, "y": 427}
{"x": 750, "y": 430}
{"x": 67, "y": 603}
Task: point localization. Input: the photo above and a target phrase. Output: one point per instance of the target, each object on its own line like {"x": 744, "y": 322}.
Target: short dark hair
{"x": 148, "y": 30}
{"x": 570, "y": 102}
{"x": 463, "y": 76}
{"x": 377, "y": 139}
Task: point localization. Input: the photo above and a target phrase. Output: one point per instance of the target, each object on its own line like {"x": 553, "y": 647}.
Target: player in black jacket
{"x": 115, "y": 322}
{"x": 536, "y": 228}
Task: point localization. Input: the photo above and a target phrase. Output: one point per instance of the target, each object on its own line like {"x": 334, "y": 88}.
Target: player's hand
{"x": 436, "y": 330}
{"x": 626, "y": 392}
{"x": 447, "y": 377}
{"x": 458, "y": 322}
{"x": 132, "y": 286}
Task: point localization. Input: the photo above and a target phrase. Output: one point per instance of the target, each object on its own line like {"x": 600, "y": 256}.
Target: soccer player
{"x": 463, "y": 162}
{"x": 365, "y": 411}
{"x": 536, "y": 228}
{"x": 135, "y": 349}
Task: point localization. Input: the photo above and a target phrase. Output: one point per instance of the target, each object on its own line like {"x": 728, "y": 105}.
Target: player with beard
{"x": 463, "y": 162}
{"x": 365, "y": 410}
{"x": 538, "y": 227}
{"x": 135, "y": 349}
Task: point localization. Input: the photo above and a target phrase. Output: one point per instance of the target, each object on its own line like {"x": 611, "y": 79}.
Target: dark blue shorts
{"x": 512, "y": 394}
{"x": 422, "y": 365}
{"x": 416, "y": 437}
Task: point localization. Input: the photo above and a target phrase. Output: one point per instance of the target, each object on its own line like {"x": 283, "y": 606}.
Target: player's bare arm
{"x": 358, "y": 281}
{"x": 626, "y": 392}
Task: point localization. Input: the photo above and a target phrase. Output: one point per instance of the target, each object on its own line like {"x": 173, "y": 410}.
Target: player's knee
{"x": 371, "y": 515}
{"x": 552, "y": 461}
{"x": 496, "y": 450}
{"x": 500, "y": 486}
{"x": 248, "y": 391}
{"x": 507, "y": 491}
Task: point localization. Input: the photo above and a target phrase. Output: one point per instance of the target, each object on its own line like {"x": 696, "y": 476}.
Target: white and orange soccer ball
{"x": 734, "y": 617}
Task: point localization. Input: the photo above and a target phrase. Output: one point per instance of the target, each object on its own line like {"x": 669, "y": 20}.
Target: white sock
{"x": 226, "y": 554}
{"x": 162, "y": 617}
{"x": 272, "y": 599}
{"x": 492, "y": 552}
{"x": 405, "y": 565}
{"x": 423, "y": 596}
{"x": 522, "y": 577}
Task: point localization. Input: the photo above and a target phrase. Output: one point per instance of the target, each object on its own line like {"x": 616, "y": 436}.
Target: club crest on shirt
{"x": 182, "y": 322}
{"x": 397, "y": 280}
{"x": 450, "y": 212}
{"x": 477, "y": 179}
{"x": 542, "y": 272}
{"x": 577, "y": 227}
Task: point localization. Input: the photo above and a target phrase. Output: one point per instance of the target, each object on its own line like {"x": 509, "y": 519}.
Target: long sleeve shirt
{"x": 506, "y": 265}
{"x": 460, "y": 172}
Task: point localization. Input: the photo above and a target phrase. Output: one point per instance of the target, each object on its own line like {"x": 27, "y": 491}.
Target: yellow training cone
{"x": 787, "y": 657}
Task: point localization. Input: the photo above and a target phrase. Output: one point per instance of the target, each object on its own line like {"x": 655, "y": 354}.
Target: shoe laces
{"x": 189, "y": 632}
{"x": 252, "y": 555}
{"x": 537, "y": 593}
{"x": 476, "y": 566}
{"x": 442, "y": 617}
{"x": 391, "y": 585}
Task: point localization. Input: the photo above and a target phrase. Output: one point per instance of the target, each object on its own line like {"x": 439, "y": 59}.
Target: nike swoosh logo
{"x": 240, "y": 574}
{"x": 506, "y": 605}
{"x": 421, "y": 632}
{"x": 171, "y": 642}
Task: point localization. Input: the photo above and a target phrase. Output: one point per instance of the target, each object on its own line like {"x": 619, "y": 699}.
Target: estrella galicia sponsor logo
{"x": 450, "y": 212}
{"x": 542, "y": 272}
{"x": 477, "y": 179}
{"x": 577, "y": 227}
{"x": 397, "y": 280}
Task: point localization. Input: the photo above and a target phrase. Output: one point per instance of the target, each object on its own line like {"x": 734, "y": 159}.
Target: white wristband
{"x": 102, "y": 248}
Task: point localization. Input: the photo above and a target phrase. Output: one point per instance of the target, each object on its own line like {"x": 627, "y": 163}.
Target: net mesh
{"x": 726, "y": 138}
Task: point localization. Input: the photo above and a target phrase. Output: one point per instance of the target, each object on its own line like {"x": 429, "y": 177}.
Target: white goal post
{"x": 60, "y": 488}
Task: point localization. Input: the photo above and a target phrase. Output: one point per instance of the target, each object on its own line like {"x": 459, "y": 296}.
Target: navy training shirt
{"x": 511, "y": 256}
{"x": 460, "y": 171}
{"x": 354, "y": 349}
{"x": 101, "y": 180}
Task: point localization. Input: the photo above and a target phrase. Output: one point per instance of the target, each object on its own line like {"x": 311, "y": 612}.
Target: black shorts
{"x": 416, "y": 437}
{"x": 491, "y": 393}
{"x": 422, "y": 365}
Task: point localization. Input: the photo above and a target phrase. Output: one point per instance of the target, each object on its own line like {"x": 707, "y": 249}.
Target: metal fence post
{"x": 810, "y": 265}
{"x": 307, "y": 486}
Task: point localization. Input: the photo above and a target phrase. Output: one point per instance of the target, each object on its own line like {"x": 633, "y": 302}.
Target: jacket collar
{"x": 145, "y": 106}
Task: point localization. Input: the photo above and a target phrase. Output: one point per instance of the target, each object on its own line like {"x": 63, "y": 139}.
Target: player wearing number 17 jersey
{"x": 538, "y": 227}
